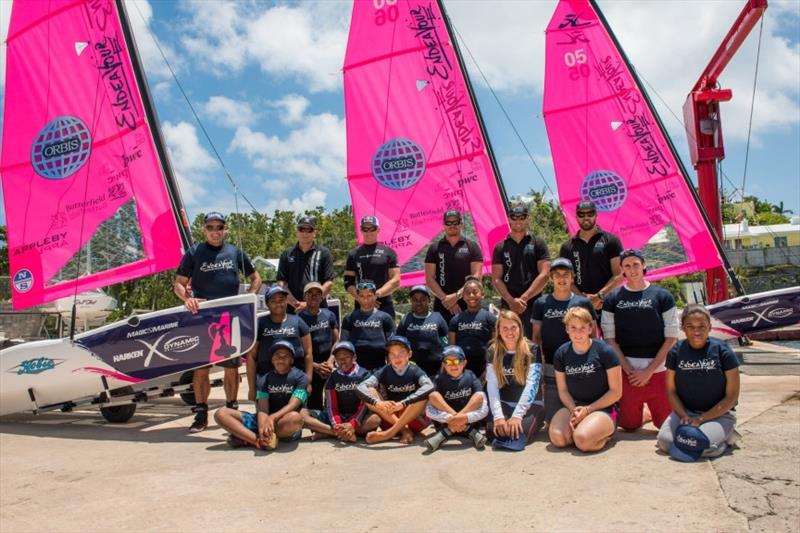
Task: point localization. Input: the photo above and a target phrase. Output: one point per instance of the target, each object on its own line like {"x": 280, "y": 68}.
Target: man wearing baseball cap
{"x": 373, "y": 261}
{"x": 305, "y": 262}
{"x": 520, "y": 264}
{"x": 448, "y": 262}
{"x": 213, "y": 267}
{"x": 426, "y": 330}
{"x": 595, "y": 256}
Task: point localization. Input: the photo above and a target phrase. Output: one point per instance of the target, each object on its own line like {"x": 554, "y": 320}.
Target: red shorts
{"x": 633, "y": 399}
{"x": 417, "y": 425}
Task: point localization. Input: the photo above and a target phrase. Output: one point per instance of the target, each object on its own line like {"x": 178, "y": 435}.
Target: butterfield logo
{"x": 605, "y": 188}
{"x": 61, "y": 148}
{"x": 398, "y": 164}
{"x": 35, "y": 366}
{"x": 23, "y": 280}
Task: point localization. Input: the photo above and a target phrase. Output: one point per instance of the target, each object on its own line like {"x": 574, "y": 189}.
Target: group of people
{"x": 454, "y": 365}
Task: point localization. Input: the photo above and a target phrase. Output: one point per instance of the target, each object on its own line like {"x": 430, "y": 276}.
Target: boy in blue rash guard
{"x": 458, "y": 403}
{"x": 406, "y": 388}
{"x": 281, "y": 394}
{"x": 426, "y": 330}
{"x": 513, "y": 384}
{"x": 278, "y": 325}
{"x": 324, "y": 330}
{"x": 473, "y": 328}
{"x": 589, "y": 383}
{"x": 345, "y": 415}
{"x": 640, "y": 322}
{"x": 368, "y": 328}
{"x": 548, "y": 325}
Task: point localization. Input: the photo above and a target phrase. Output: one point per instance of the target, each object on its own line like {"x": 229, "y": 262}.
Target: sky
{"x": 265, "y": 79}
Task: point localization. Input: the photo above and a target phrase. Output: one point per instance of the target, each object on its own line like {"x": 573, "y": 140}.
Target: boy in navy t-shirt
{"x": 324, "y": 330}
{"x": 404, "y": 390}
{"x": 426, "y": 330}
{"x": 368, "y": 328}
{"x": 345, "y": 415}
{"x": 280, "y": 396}
{"x": 473, "y": 328}
{"x": 458, "y": 402}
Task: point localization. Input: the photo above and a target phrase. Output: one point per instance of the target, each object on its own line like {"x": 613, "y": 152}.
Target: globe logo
{"x": 398, "y": 164}
{"x": 23, "y": 280}
{"x": 605, "y": 188}
{"x": 61, "y": 148}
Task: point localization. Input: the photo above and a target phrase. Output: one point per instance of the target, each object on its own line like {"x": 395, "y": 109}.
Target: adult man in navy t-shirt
{"x": 213, "y": 268}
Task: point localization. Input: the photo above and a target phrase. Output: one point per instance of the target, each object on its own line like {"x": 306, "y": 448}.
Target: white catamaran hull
{"x": 129, "y": 353}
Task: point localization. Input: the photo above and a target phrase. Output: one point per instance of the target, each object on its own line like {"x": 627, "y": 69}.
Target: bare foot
{"x": 374, "y": 437}
{"x": 406, "y": 436}
{"x": 317, "y": 436}
{"x": 646, "y": 416}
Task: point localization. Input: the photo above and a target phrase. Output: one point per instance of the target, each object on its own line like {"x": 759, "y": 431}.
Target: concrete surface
{"x": 73, "y": 472}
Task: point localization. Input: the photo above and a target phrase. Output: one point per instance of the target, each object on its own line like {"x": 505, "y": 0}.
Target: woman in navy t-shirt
{"x": 589, "y": 381}
{"x": 702, "y": 384}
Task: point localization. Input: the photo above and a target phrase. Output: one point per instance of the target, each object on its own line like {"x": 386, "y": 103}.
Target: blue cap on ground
{"x": 344, "y": 345}
{"x": 278, "y": 345}
{"x": 454, "y": 351}
{"x": 562, "y": 262}
{"x": 507, "y": 443}
{"x": 689, "y": 443}
{"x": 398, "y": 339}
{"x": 272, "y": 291}
{"x": 420, "y": 288}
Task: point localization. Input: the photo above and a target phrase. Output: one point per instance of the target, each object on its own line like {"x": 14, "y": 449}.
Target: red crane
{"x": 701, "y": 118}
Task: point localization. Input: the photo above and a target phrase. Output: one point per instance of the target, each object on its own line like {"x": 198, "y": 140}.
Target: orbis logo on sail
{"x": 398, "y": 164}
{"x": 61, "y": 148}
{"x": 605, "y": 188}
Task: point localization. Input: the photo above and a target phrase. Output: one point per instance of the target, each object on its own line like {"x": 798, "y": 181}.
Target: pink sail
{"x": 414, "y": 143}
{"x": 85, "y": 199}
{"x": 608, "y": 146}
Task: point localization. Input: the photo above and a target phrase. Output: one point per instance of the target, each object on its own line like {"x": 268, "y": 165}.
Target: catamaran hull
{"x": 756, "y": 312}
{"x": 128, "y": 353}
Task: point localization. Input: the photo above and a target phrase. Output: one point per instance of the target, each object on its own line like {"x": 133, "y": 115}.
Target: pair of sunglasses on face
{"x": 365, "y": 285}
{"x": 215, "y": 228}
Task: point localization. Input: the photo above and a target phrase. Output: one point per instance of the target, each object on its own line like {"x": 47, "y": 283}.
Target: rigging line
{"x": 752, "y": 106}
{"x": 194, "y": 113}
{"x": 503, "y": 109}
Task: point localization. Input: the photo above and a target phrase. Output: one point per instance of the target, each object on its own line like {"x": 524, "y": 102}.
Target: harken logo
{"x": 398, "y": 164}
{"x": 35, "y": 366}
{"x": 23, "y": 280}
{"x": 61, "y": 148}
{"x": 606, "y": 189}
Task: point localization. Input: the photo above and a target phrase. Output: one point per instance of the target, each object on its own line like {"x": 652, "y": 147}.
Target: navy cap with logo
{"x": 370, "y": 220}
{"x": 278, "y": 345}
{"x": 344, "y": 345}
{"x": 518, "y": 209}
{"x": 307, "y": 221}
{"x": 272, "y": 291}
{"x": 586, "y": 205}
{"x": 214, "y": 215}
{"x": 454, "y": 351}
{"x": 507, "y": 443}
{"x": 398, "y": 339}
{"x": 420, "y": 288}
{"x": 562, "y": 262}
{"x": 631, "y": 252}
{"x": 688, "y": 444}
{"x": 452, "y": 213}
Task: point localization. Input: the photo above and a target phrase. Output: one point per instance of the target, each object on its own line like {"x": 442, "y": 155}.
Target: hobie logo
{"x": 605, "y": 188}
{"x": 398, "y": 164}
{"x": 61, "y": 148}
{"x": 23, "y": 280}
{"x": 35, "y": 366}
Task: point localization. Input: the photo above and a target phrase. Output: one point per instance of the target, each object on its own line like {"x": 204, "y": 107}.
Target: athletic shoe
{"x": 232, "y": 405}
{"x": 200, "y": 422}
{"x": 235, "y": 442}
{"x": 478, "y": 438}
{"x": 434, "y": 441}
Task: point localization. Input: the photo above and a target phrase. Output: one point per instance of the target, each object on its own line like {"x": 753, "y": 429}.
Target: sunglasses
{"x": 586, "y": 214}
{"x": 306, "y": 229}
{"x": 452, "y": 223}
{"x": 215, "y": 228}
{"x": 518, "y": 217}
{"x": 365, "y": 285}
{"x": 451, "y": 361}
{"x": 368, "y": 229}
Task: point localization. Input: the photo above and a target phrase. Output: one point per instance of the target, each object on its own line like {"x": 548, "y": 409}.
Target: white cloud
{"x": 228, "y": 112}
{"x": 293, "y": 107}
{"x": 5, "y": 19}
{"x": 310, "y": 199}
{"x": 140, "y": 15}
{"x": 193, "y": 165}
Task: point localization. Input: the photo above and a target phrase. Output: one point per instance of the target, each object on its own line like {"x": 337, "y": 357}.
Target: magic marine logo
{"x": 606, "y": 189}
{"x": 398, "y": 164}
{"x": 35, "y": 366}
{"x": 61, "y": 148}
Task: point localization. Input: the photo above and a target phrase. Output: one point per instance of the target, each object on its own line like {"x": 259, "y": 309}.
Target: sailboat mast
{"x": 737, "y": 285}
{"x": 178, "y": 209}
{"x": 475, "y": 106}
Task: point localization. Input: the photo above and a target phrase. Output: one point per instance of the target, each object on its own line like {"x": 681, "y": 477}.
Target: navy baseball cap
{"x": 518, "y": 209}
{"x": 420, "y": 288}
{"x": 562, "y": 262}
{"x": 630, "y": 252}
{"x": 272, "y": 291}
{"x": 452, "y": 213}
{"x": 370, "y": 220}
{"x": 453, "y": 351}
{"x": 689, "y": 444}
{"x": 307, "y": 221}
{"x": 214, "y": 215}
{"x": 586, "y": 205}
{"x": 507, "y": 443}
{"x": 344, "y": 345}
{"x": 280, "y": 344}
{"x": 398, "y": 339}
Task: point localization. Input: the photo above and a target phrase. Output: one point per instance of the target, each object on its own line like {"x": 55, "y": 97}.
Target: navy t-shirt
{"x": 292, "y": 329}
{"x": 373, "y": 262}
{"x": 279, "y": 388}
{"x": 520, "y": 261}
{"x": 700, "y": 374}
{"x": 214, "y": 270}
{"x": 368, "y": 333}
{"x": 457, "y": 392}
{"x": 397, "y": 387}
{"x": 592, "y": 259}
{"x": 426, "y": 334}
{"x": 473, "y": 333}
{"x": 342, "y": 389}
{"x": 297, "y": 268}
{"x": 550, "y": 312}
{"x": 321, "y": 327}
{"x": 585, "y": 373}
{"x": 453, "y": 262}
{"x": 638, "y": 320}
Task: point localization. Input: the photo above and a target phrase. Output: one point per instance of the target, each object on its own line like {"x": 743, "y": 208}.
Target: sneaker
{"x": 434, "y": 441}
{"x": 478, "y": 438}
{"x": 200, "y": 421}
{"x": 232, "y": 405}
{"x": 235, "y": 442}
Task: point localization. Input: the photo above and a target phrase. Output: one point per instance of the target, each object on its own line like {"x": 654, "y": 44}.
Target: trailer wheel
{"x": 119, "y": 414}
{"x": 188, "y": 396}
